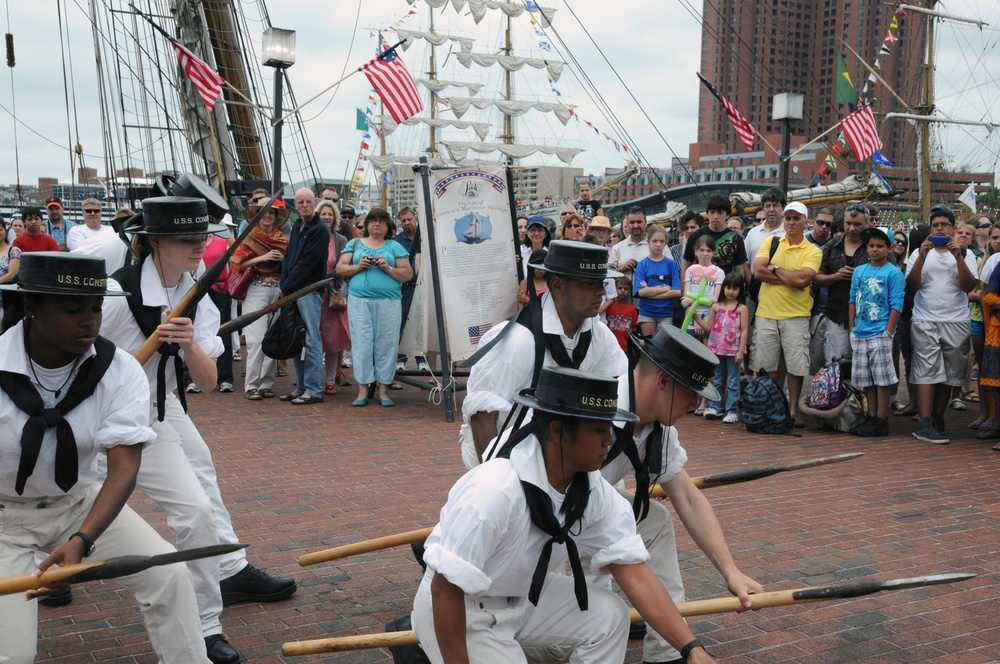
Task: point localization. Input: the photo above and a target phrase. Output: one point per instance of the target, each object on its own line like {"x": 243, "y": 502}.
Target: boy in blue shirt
{"x": 876, "y": 300}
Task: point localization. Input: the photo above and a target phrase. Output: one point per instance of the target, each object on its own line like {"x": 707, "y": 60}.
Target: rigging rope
{"x": 69, "y": 133}
{"x": 13, "y": 102}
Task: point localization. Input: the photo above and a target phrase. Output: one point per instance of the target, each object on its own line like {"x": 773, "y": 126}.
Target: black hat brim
{"x": 708, "y": 391}
{"x": 530, "y": 401}
{"x": 60, "y": 291}
{"x": 609, "y": 273}
{"x": 137, "y": 228}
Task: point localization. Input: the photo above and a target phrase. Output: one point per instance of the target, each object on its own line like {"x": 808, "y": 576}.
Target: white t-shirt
{"x": 940, "y": 299}
{"x": 81, "y": 232}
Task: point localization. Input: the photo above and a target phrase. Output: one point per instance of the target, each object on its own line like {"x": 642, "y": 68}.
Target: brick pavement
{"x": 301, "y": 479}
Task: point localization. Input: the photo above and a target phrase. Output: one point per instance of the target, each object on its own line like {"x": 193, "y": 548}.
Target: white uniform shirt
{"x": 940, "y": 299}
{"x": 755, "y": 240}
{"x": 672, "y": 460}
{"x": 120, "y": 327}
{"x": 509, "y": 365}
{"x": 116, "y": 414}
{"x": 486, "y": 544}
{"x": 626, "y": 250}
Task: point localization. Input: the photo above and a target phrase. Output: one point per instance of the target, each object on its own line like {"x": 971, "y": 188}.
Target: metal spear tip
{"x": 125, "y": 565}
{"x": 930, "y": 580}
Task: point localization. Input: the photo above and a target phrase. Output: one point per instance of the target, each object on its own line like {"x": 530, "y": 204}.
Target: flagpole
{"x": 874, "y": 73}
{"x": 761, "y": 136}
{"x": 336, "y": 83}
{"x": 807, "y": 143}
{"x": 259, "y": 109}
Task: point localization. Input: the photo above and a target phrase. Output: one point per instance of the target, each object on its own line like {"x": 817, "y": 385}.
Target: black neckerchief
{"x": 625, "y": 444}
{"x": 148, "y": 319}
{"x": 540, "y": 508}
{"x": 25, "y": 396}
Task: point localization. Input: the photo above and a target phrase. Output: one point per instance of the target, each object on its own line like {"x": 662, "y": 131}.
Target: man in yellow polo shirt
{"x": 781, "y": 328}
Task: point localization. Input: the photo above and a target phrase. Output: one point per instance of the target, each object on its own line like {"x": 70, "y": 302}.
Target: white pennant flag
{"x": 968, "y": 197}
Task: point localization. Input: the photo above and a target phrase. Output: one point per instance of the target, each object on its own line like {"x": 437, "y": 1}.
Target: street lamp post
{"x": 278, "y": 48}
{"x": 787, "y": 106}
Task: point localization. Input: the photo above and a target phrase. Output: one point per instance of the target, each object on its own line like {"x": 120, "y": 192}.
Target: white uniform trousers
{"x": 177, "y": 472}
{"x": 502, "y": 630}
{"x": 164, "y": 594}
{"x": 657, "y": 533}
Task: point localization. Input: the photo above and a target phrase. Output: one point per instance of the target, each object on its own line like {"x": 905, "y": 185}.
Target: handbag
{"x": 238, "y": 284}
{"x": 337, "y": 302}
{"x": 286, "y": 334}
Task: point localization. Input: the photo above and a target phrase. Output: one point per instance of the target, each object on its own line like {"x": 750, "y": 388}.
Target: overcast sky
{"x": 653, "y": 46}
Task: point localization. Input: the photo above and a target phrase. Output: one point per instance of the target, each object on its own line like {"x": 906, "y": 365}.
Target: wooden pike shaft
{"x": 703, "y": 482}
{"x": 53, "y": 576}
{"x": 241, "y": 322}
{"x": 702, "y": 607}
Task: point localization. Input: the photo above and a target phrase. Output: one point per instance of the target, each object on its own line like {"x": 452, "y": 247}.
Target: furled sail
{"x": 434, "y": 38}
{"x": 437, "y": 85}
{"x": 478, "y": 8}
{"x": 511, "y": 62}
{"x": 459, "y": 105}
{"x": 482, "y": 129}
{"x": 458, "y": 150}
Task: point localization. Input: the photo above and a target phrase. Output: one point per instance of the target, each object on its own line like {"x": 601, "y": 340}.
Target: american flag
{"x": 394, "y": 85}
{"x": 476, "y": 332}
{"x": 740, "y": 123}
{"x": 206, "y": 80}
{"x": 862, "y": 133}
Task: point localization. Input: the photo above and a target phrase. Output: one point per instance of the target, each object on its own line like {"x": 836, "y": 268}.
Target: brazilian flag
{"x": 846, "y": 94}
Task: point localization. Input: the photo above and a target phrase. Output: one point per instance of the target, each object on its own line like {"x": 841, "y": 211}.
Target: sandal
{"x": 341, "y": 379}
{"x": 254, "y": 395}
{"x": 979, "y": 422}
{"x": 908, "y": 409}
{"x": 958, "y": 404}
{"x": 306, "y": 400}
{"x": 266, "y": 393}
{"x": 395, "y": 386}
{"x": 971, "y": 396}
{"x": 996, "y": 446}
{"x": 992, "y": 434}
{"x": 290, "y": 396}
{"x": 898, "y": 406}
{"x": 330, "y": 388}
{"x": 281, "y": 372}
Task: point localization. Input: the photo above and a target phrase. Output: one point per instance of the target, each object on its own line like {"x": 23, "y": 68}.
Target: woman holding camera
{"x": 377, "y": 267}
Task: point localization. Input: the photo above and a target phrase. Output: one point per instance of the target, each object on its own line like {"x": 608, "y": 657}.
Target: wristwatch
{"x": 775, "y": 268}
{"x": 88, "y": 543}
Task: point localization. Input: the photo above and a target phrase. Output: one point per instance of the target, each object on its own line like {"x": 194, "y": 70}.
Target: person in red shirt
{"x": 622, "y": 316}
{"x": 34, "y": 238}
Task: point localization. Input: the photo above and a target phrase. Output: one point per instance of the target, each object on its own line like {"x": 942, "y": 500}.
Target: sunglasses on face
{"x": 565, "y": 214}
{"x": 347, "y": 215}
{"x": 820, "y": 222}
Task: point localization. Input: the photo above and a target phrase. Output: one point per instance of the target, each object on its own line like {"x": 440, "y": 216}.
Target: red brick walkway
{"x": 298, "y": 479}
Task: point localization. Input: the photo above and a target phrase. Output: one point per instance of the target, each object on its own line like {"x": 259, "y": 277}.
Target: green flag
{"x": 362, "y": 121}
{"x": 846, "y": 94}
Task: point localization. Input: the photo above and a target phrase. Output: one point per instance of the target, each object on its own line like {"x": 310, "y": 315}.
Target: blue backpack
{"x": 765, "y": 408}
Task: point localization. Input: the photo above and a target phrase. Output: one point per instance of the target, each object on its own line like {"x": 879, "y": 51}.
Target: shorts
{"x": 978, "y": 330}
{"x": 773, "y": 339}
{"x": 654, "y": 319}
{"x": 838, "y": 342}
{"x": 872, "y": 365}
{"x": 942, "y": 352}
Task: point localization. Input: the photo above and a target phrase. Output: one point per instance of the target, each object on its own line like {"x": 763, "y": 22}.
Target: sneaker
{"x": 252, "y": 585}
{"x": 938, "y": 421}
{"x": 237, "y": 357}
{"x": 400, "y": 365}
{"x": 225, "y": 387}
{"x": 880, "y": 428}
{"x": 423, "y": 366}
{"x": 927, "y": 432}
{"x": 731, "y": 418}
{"x": 711, "y": 414}
{"x": 958, "y": 404}
{"x": 193, "y": 389}
{"x": 347, "y": 363}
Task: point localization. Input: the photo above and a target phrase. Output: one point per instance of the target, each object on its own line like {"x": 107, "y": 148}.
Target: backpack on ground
{"x": 826, "y": 392}
{"x": 765, "y": 408}
{"x": 285, "y": 335}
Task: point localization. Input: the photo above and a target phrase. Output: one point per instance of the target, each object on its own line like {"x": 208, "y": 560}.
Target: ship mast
{"x": 432, "y": 150}
{"x": 508, "y": 122}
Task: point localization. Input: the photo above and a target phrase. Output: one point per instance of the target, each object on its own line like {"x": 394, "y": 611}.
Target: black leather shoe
{"x": 252, "y": 585}
{"x": 58, "y": 598}
{"x": 219, "y": 650}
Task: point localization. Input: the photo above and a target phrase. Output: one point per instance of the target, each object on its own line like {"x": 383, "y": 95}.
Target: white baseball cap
{"x": 796, "y": 207}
